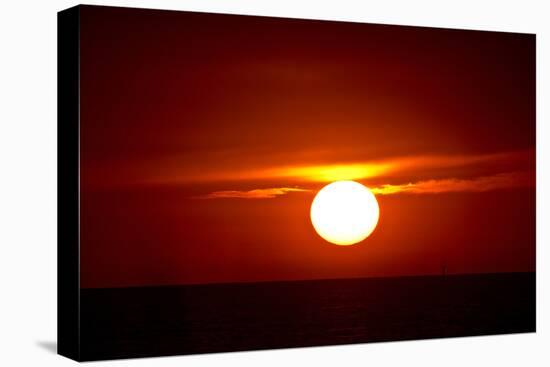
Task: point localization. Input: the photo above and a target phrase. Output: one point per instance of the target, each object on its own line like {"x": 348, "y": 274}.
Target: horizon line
{"x": 432, "y": 275}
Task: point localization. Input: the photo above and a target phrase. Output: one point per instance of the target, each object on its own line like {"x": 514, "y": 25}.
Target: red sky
{"x": 204, "y": 139}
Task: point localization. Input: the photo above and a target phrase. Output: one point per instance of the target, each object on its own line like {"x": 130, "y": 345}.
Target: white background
{"x": 28, "y": 183}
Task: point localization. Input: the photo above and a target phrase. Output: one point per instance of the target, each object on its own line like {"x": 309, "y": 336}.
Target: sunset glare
{"x": 344, "y": 212}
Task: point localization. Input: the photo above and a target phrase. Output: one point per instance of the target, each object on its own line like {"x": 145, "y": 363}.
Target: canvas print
{"x": 240, "y": 183}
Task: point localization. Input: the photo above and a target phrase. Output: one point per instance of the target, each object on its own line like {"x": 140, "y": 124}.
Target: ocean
{"x": 170, "y": 320}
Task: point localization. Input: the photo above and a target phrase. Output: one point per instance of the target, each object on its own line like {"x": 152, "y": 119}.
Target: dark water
{"x": 150, "y": 321}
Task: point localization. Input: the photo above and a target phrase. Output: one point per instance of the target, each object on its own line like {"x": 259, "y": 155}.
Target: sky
{"x": 204, "y": 139}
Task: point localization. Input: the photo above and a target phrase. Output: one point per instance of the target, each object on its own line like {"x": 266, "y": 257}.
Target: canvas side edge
{"x": 68, "y": 288}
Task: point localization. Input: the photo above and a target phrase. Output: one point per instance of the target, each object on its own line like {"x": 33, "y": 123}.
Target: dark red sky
{"x": 185, "y": 116}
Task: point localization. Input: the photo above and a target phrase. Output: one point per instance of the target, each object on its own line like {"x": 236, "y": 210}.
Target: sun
{"x": 344, "y": 212}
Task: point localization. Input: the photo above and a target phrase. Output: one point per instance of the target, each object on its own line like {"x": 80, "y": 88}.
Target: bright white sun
{"x": 344, "y": 212}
